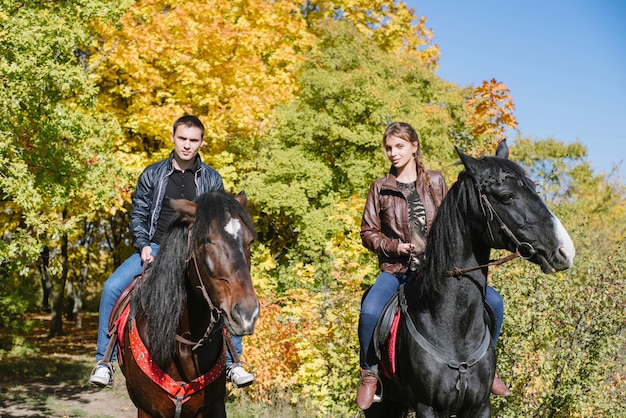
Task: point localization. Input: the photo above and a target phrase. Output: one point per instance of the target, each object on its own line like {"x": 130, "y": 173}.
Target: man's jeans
{"x": 113, "y": 287}
{"x": 237, "y": 343}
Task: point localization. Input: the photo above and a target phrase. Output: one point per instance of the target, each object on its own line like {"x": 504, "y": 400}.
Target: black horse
{"x": 445, "y": 358}
{"x": 171, "y": 341}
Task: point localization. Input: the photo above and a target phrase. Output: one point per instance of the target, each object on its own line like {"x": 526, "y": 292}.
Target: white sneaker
{"x": 238, "y": 376}
{"x": 101, "y": 376}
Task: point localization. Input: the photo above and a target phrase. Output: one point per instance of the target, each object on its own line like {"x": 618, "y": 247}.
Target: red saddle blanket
{"x": 388, "y": 364}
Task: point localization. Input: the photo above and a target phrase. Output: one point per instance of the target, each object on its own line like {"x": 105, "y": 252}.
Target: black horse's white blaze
{"x": 564, "y": 257}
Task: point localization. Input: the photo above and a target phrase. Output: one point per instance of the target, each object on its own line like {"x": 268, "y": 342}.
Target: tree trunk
{"x": 56, "y": 319}
{"x": 46, "y": 282}
{"x": 75, "y": 301}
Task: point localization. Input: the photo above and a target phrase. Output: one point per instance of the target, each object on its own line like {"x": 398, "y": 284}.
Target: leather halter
{"x": 524, "y": 250}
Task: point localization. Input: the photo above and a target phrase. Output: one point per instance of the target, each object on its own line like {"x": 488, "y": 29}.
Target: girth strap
{"x": 461, "y": 366}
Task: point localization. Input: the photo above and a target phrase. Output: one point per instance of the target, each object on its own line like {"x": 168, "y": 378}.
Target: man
{"x": 180, "y": 176}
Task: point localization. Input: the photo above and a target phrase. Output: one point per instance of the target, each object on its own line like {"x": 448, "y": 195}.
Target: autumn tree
{"x": 56, "y": 163}
{"x": 564, "y": 334}
{"x": 326, "y": 144}
{"x": 390, "y": 25}
{"x": 228, "y": 62}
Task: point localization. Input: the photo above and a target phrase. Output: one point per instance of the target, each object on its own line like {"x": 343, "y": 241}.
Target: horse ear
{"x": 242, "y": 199}
{"x": 502, "y": 150}
{"x": 469, "y": 162}
{"x": 185, "y": 209}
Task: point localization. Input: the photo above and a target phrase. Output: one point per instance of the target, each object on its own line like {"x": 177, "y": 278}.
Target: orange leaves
{"x": 491, "y": 110}
{"x": 271, "y": 350}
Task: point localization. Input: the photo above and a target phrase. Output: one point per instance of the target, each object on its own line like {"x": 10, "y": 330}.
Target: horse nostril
{"x": 564, "y": 253}
{"x": 245, "y": 316}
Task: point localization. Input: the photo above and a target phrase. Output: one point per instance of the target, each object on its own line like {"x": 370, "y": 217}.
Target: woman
{"x": 398, "y": 214}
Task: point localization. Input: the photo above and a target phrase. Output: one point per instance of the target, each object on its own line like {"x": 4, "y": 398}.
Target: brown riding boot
{"x": 367, "y": 388}
{"x": 499, "y": 388}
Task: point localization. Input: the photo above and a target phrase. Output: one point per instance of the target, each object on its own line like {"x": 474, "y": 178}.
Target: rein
{"x": 458, "y": 273}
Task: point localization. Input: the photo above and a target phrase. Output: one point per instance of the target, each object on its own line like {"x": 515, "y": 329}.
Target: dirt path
{"x": 66, "y": 401}
{"x": 52, "y": 381}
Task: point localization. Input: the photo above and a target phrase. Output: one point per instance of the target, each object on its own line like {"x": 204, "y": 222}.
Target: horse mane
{"x": 452, "y": 219}
{"x": 163, "y": 294}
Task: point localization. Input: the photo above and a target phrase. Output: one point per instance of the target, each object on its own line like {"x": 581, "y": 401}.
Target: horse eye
{"x": 205, "y": 240}
{"x": 506, "y": 197}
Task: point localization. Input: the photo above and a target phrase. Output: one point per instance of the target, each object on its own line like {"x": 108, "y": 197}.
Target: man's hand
{"x": 146, "y": 254}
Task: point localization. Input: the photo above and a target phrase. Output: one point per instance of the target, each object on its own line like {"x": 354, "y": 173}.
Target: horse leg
{"x": 216, "y": 409}
{"x": 483, "y": 411}
{"x": 425, "y": 411}
{"x": 385, "y": 409}
{"x": 142, "y": 414}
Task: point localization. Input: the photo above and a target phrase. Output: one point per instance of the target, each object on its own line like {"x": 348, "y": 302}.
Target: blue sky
{"x": 564, "y": 62}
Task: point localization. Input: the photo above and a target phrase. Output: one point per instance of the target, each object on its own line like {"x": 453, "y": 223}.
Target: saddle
{"x": 385, "y": 333}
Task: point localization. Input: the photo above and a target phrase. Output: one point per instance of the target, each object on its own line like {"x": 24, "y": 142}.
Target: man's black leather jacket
{"x": 148, "y": 197}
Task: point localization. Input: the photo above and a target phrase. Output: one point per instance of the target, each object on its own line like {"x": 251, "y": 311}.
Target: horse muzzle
{"x": 241, "y": 320}
{"x": 562, "y": 257}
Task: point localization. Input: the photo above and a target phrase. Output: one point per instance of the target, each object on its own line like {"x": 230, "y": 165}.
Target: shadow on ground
{"x": 48, "y": 378}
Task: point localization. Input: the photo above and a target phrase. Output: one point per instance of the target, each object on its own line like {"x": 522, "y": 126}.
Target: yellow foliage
{"x": 389, "y": 24}
{"x": 228, "y": 62}
{"x": 307, "y": 340}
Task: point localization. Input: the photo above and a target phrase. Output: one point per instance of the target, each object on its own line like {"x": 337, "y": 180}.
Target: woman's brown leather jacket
{"x": 385, "y": 223}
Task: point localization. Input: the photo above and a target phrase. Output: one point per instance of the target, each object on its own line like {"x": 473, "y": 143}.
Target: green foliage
{"x": 57, "y": 168}
{"x": 562, "y": 339}
{"x": 564, "y": 334}
{"x": 326, "y": 143}
{"x": 54, "y": 154}
{"x": 11, "y": 308}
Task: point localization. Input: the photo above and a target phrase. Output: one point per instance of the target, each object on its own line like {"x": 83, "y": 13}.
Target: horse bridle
{"x": 524, "y": 250}
{"x": 216, "y": 313}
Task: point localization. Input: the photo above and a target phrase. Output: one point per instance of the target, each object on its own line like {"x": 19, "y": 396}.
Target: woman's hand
{"x": 405, "y": 249}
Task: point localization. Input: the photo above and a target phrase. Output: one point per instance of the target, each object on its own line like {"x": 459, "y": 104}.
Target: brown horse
{"x": 172, "y": 340}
